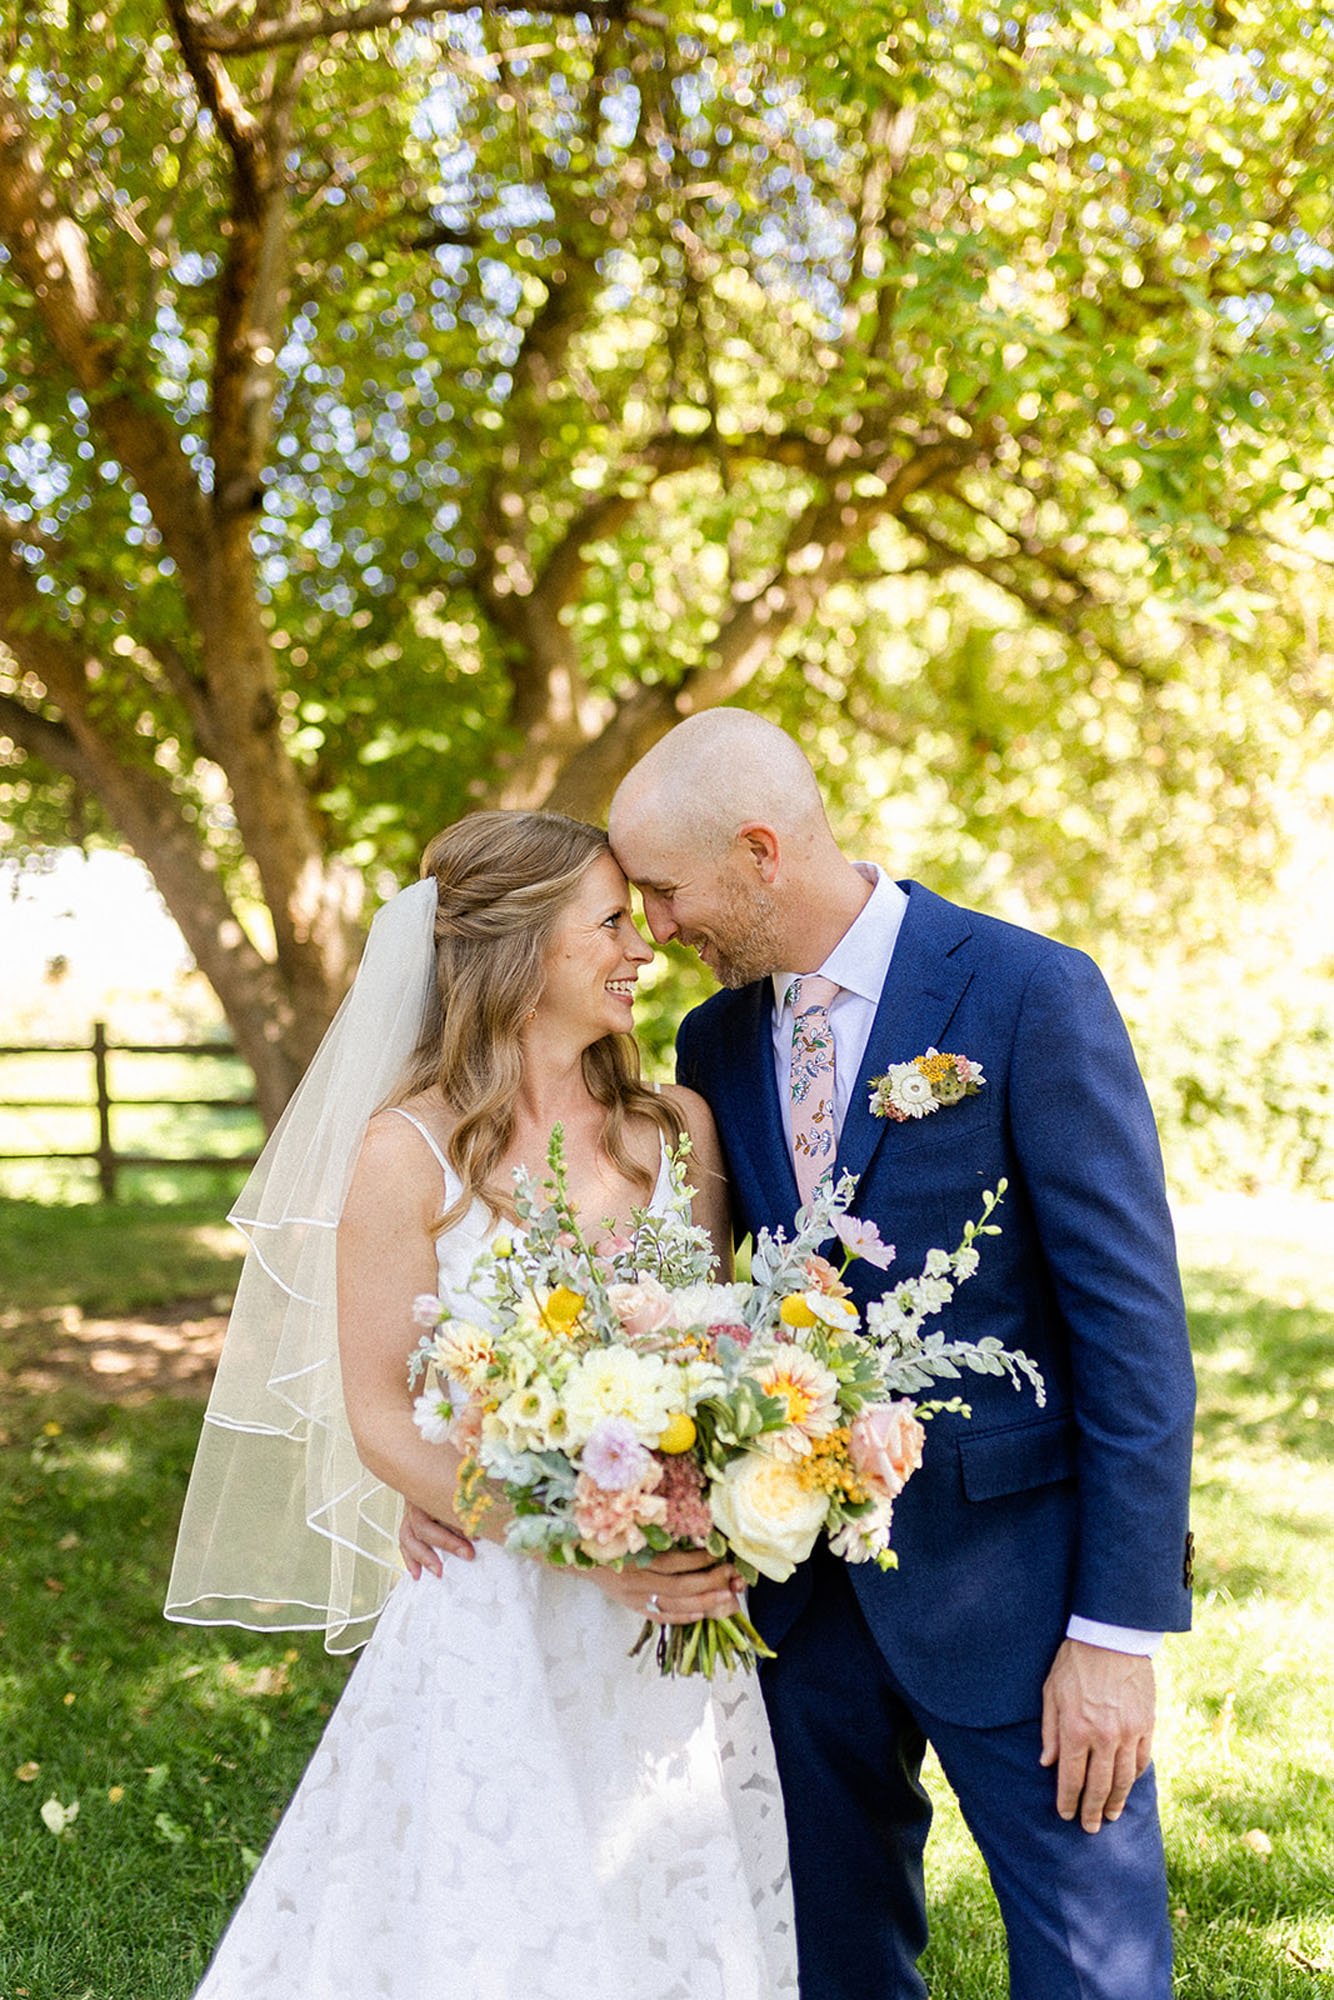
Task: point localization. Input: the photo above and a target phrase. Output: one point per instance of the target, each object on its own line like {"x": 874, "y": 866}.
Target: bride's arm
{"x": 706, "y": 1172}
{"x": 386, "y": 1258}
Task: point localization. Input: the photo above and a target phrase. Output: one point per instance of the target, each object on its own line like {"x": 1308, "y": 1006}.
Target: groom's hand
{"x": 422, "y": 1540}
{"x": 1097, "y": 1728}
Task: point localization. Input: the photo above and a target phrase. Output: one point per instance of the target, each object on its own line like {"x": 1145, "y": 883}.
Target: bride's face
{"x": 593, "y": 959}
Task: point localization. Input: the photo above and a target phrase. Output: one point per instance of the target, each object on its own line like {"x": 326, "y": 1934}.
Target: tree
{"x": 407, "y": 407}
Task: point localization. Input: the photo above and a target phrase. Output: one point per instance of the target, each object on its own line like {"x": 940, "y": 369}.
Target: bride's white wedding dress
{"x": 504, "y": 1806}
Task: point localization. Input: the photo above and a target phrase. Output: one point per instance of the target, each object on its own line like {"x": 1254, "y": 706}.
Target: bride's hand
{"x": 674, "y": 1589}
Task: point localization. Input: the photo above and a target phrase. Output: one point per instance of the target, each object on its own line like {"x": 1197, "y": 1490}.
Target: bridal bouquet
{"x": 622, "y": 1403}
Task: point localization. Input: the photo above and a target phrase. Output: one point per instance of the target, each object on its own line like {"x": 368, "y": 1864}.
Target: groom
{"x": 1042, "y": 1552}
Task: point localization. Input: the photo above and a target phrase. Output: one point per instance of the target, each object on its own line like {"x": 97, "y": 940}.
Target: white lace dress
{"x": 504, "y": 1806}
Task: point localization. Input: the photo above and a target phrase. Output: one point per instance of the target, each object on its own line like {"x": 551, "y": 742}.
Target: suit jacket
{"x": 1019, "y": 1515}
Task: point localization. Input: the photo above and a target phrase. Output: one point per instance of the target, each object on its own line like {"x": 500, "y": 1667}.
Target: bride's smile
{"x": 593, "y": 961}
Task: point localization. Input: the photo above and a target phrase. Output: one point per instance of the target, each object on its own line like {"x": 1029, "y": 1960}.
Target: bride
{"x": 504, "y": 1806}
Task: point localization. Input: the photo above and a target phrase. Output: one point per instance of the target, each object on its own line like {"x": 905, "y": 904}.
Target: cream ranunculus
{"x": 770, "y": 1518}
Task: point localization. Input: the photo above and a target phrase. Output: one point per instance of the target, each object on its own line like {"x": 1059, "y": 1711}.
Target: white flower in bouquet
{"x": 464, "y": 1351}
{"x": 529, "y": 1418}
{"x": 700, "y": 1379}
{"x": 894, "y": 1321}
{"x": 840, "y": 1314}
{"x": 437, "y": 1411}
{"x": 808, "y": 1392}
{"x": 707, "y": 1305}
{"x": 866, "y": 1539}
{"x": 617, "y": 1382}
{"x": 932, "y": 1294}
{"x": 771, "y": 1519}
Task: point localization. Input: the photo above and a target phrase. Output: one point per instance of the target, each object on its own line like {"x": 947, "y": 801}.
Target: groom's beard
{"x": 745, "y": 945}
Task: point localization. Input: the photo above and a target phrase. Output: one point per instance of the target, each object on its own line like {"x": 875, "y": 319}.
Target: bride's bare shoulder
{"x": 396, "y": 1140}
{"x": 691, "y": 1109}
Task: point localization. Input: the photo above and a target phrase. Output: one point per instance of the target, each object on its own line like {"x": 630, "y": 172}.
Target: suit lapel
{"x": 921, "y": 993}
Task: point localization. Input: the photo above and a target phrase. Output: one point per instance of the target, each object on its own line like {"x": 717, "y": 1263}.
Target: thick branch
{"x": 295, "y": 27}
{"x": 820, "y": 548}
{"x": 219, "y": 96}
{"x": 140, "y": 802}
{"x": 1067, "y": 615}
{"x": 50, "y": 255}
{"x": 40, "y": 737}
{"x": 178, "y": 671}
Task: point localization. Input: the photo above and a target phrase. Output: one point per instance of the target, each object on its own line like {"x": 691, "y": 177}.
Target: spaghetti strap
{"x": 447, "y": 1169}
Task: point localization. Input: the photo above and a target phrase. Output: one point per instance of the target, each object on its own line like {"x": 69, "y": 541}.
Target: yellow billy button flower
{"x": 794, "y": 1311}
{"x": 502, "y": 1247}
{"x": 561, "y": 1312}
{"x": 679, "y": 1435}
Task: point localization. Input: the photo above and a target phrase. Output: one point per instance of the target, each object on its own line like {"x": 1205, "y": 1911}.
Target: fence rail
{"x": 110, "y": 1160}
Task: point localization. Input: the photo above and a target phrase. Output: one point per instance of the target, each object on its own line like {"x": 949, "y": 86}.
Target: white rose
{"x": 767, "y": 1515}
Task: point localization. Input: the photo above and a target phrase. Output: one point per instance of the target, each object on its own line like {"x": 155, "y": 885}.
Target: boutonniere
{"x": 917, "y": 1088}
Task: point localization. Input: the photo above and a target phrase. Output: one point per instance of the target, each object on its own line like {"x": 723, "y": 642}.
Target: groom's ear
{"x": 761, "y": 848}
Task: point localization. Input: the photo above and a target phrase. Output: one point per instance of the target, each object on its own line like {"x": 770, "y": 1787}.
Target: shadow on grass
{"x": 1263, "y": 1368}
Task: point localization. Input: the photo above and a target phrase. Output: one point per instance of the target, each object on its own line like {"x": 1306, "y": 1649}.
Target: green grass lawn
{"x": 181, "y": 1746}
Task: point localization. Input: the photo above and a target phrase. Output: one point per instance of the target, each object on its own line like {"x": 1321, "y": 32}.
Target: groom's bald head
{"x": 723, "y": 828}
{"x": 714, "y": 774}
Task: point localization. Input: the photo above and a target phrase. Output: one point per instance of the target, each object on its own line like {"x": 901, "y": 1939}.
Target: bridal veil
{"x": 283, "y": 1526}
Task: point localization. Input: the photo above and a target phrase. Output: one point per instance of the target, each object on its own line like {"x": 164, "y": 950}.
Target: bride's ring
{"x": 653, "y": 1607}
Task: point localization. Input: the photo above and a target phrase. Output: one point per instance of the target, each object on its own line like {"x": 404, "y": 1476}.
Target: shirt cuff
{"x": 1116, "y": 1638}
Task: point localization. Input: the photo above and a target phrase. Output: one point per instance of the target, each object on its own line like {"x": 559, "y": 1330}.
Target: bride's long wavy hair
{"x": 502, "y": 880}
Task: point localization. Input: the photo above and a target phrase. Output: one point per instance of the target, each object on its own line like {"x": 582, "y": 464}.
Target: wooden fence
{"x": 109, "y": 1159}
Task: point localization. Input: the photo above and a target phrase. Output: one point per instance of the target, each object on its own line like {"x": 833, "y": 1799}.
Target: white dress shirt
{"x": 859, "y": 966}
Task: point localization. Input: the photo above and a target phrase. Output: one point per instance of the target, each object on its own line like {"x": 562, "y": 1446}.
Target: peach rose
{"x": 822, "y": 1277}
{"x": 642, "y": 1307}
{"x": 885, "y": 1445}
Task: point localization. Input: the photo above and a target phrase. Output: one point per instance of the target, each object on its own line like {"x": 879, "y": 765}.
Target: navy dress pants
{"x": 1085, "y": 1914}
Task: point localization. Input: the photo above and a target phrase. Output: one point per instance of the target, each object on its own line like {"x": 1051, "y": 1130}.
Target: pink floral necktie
{"x": 814, "y": 1139}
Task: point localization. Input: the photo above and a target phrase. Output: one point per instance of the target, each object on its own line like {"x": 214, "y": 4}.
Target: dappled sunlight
{"x": 127, "y": 1361}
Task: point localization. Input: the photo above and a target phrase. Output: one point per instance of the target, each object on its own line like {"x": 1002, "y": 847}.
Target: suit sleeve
{"x": 1084, "y": 1134}
{"x": 687, "y": 1055}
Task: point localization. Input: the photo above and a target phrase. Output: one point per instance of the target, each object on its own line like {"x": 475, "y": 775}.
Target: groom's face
{"x": 711, "y": 903}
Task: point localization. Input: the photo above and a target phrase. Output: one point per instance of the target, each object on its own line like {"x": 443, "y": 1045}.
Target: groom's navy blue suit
{"x": 1019, "y": 1516}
